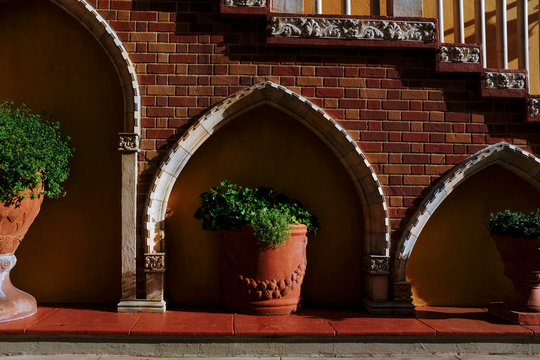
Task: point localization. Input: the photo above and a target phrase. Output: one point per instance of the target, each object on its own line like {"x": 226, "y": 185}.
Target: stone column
{"x": 129, "y": 147}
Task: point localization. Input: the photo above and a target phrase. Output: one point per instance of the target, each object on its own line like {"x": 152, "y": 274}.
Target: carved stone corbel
{"x": 460, "y": 54}
{"x": 154, "y": 262}
{"x": 128, "y": 142}
{"x": 403, "y": 291}
{"x": 377, "y": 264}
{"x": 503, "y": 80}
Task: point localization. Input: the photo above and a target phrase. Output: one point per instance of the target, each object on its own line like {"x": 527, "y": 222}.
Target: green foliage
{"x": 230, "y": 206}
{"x": 32, "y": 152}
{"x": 515, "y": 224}
{"x": 271, "y": 227}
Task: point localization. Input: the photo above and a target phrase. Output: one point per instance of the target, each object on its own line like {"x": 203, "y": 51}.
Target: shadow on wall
{"x": 455, "y": 261}
{"x": 266, "y": 147}
{"x": 51, "y": 63}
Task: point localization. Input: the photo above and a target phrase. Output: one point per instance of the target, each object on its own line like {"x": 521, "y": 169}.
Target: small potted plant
{"x": 517, "y": 237}
{"x": 33, "y": 164}
{"x": 263, "y": 246}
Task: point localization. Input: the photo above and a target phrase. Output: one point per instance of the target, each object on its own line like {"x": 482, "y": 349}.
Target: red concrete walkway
{"x": 428, "y": 323}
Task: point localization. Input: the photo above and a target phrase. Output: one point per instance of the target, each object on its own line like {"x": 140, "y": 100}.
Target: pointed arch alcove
{"x": 487, "y": 177}
{"x": 362, "y": 176}
{"x": 61, "y": 57}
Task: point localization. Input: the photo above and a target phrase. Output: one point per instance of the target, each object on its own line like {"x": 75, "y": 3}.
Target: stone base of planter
{"x": 14, "y": 303}
{"x": 499, "y": 310}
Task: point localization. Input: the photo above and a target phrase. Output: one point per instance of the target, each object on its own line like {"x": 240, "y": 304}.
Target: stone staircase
{"x": 392, "y": 33}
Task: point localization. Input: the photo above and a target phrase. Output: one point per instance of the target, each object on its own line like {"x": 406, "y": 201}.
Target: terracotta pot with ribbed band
{"x": 262, "y": 281}
{"x": 14, "y": 223}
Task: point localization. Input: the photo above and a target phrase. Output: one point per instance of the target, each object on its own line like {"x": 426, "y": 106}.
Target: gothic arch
{"x": 519, "y": 161}
{"x": 98, "y": 27}
{"x": 314, "y": 118}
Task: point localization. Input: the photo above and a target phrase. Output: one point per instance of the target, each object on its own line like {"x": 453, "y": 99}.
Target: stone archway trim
{"x": 314, "y": 118}
{"x": 515, "y": 159}
{"x": 128, "y": 144}
{"x": 300, "y": 108}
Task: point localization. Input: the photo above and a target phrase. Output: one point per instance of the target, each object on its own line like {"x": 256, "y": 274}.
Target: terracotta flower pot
{"x": 521, "y": 260}
{"x": 14, "y": 223}
{"x": 263, "y": 281}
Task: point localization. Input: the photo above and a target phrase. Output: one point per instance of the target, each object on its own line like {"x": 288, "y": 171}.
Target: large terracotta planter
{"x": 521, "y": 260}
{"x": 14, "y": 223}
{"x": 263, "y": 281}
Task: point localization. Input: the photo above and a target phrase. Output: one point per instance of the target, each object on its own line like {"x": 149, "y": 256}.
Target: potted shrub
{"x": 33, "y": 164}
{"x": 263, "y": 246}
{"x": 517, "y": 237}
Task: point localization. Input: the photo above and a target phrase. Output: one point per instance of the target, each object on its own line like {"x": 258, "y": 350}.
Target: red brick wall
{"x": 412, "y": 124}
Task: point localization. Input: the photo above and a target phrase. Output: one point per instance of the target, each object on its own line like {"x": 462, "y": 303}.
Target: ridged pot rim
{"x": 249, "y": 228}
{"x": 500, "y": 236}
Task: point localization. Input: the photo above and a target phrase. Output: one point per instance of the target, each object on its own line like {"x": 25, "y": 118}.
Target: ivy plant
{"x": 515, "y": 224}
{"x": 230, "y": 206}
{"x": 33, "y": 155}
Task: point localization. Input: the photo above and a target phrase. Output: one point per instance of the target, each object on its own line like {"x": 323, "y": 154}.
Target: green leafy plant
{"x": 515, "y": 224}
{"x": 271, "y": 227}
{"x": 33, "y": 155}
{"x": 230, "y": 206}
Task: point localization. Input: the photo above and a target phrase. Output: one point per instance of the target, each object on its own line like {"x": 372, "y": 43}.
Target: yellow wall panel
{"x": 455, "y": 261}
{"x": 53, "y": 64}
{"x": 265, "y": 147}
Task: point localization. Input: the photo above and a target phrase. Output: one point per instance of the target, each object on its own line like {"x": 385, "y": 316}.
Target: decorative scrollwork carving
{"x": 129, "y": 142}
{"x": 502, "y": 80}
{"x": 534, "y": 107}
{"x": 377, "y": 264}
{"x": 460, "y": 54}
{"x": 154, "y": 262}
{"x": 273, "y": 288}
{"x": 353, "y": 29}
{"x": 245, "y": 3}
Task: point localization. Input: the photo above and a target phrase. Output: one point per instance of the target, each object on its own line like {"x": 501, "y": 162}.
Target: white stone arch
{"x": 511, "y": 157}
{"x": 345, "y": 148}
{"x": 128, "y": 144}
